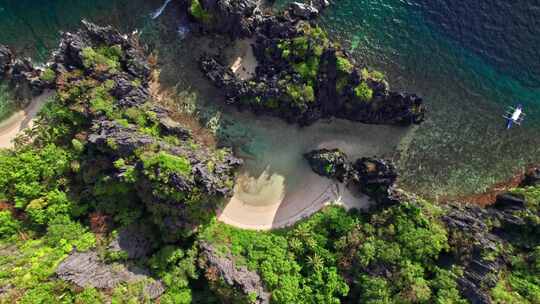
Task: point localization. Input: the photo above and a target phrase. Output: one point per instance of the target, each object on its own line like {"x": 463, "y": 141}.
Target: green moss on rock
{"x": 363, "y": 92}
{"x": 198, "y": 12}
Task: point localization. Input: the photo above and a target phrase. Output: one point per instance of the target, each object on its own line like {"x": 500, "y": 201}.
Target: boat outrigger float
{"x": 514, "y": 116}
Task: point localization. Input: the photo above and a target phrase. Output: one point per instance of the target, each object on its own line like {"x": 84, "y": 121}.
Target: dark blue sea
{"x": 468, "y": 59}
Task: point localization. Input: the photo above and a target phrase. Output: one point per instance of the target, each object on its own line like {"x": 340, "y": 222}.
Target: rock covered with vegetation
{"x": 372, "y": 176}
{"x": 303, "y": 76}
{"x": 330, "y": 163}
{"x": 103, "y": 78}
{"x": 497, "y": 248}
{"x": 236, "y": 18}
{"x": 102, "y": 157}
{"x": 233, "y": 282}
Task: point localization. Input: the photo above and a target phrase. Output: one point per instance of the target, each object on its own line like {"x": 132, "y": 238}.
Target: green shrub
{"x": 89, "y": 296}
{"x": 9, "y": 226}
{"x": 502, "y": 295}
{"x": 363, "y": 92}
{"x": 30, "y": 174}
{"x": 48, "y": 75}
{"x": 47, "y": 293}
{"x": 300, "y": 94}
{"x": 175, "y": 267}
{"x": 45, "y": 209}
{"x": 308, "y": 69}
{"x": 65, "y": 233}
{"x": 197, "y": 11}
{"x": 102, "y": 102}
{"x": 375, "y": 290}
{"x": 103, "y": 58}
{"x": 168, "y": 163}
{"x": 344, "y": 65}
{"x": 374, "y": 75}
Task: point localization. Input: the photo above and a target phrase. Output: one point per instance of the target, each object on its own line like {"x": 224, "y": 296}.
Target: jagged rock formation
{"x": 374, "y": 177}
{"x": 302, "y": 76}
{"x": 241, "y": 284}
{"x": 103, "y": 78}
{"x": 330, "y": 163}
{"x": 233, "y": 17}
{"x": 134, "y": 240}
{"x": 22, "y": 77}
{"x": 84, "y": 269}
{"x": 477, "y": 237}
{"x": 303, "y": 11}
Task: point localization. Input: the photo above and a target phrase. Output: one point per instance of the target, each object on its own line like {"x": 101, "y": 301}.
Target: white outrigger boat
{"x": 514, "y": 116}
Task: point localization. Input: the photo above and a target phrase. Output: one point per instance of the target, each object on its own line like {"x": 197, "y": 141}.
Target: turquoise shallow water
{"x": 468, "y": 60}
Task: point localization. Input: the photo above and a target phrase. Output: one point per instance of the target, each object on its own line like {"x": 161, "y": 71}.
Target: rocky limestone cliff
{"x": 235, "y": 284}
{"x": 103, "y": 77}
{"x": 303, "y": 76}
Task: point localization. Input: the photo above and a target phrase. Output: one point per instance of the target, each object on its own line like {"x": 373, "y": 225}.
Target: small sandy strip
{"x": 10, "y": 128}
{"x": 242, "y": 60}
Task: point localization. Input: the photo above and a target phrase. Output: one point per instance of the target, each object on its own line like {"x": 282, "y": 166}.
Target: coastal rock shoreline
{"x": 301, "y": 75}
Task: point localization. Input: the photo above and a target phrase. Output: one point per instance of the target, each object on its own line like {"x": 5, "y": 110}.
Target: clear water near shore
{"x": 466, "y": 72}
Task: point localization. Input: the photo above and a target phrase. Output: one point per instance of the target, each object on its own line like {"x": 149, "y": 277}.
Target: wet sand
{"x": 10, "y": 128}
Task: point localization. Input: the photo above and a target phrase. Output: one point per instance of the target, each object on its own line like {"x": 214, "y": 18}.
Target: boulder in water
{"x": 304, "y": 11}
{"x": 330, "y": 163}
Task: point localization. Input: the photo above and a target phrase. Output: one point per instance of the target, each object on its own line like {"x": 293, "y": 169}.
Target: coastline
{"x": 20, "y": 120}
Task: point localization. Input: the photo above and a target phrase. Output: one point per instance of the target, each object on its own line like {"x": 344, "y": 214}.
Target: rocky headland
{"x": 479, "y": 237}
{"x": 301, "y": 74}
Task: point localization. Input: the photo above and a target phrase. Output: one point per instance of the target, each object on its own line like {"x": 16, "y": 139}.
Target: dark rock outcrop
{"x": 374, "y": 177}
{"x": 236, "y": 18}
{"x": 303, "y": 76}
{"x": 84, "y": 269}
{"x": 6, "y": 58}
{"x": 532, "y": 178}
{"x": 304, "y": 11}
{"x": 134, "y": 240}
{"x": 222, "y": 269}
{"x": 330, "y": 163}
{"x": 509, "y": 202}
{"x": 22, "y": 78}
{"x": 475, "y": 249}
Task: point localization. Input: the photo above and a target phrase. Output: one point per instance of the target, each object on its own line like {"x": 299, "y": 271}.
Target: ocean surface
{"x": 468, "y": 59}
